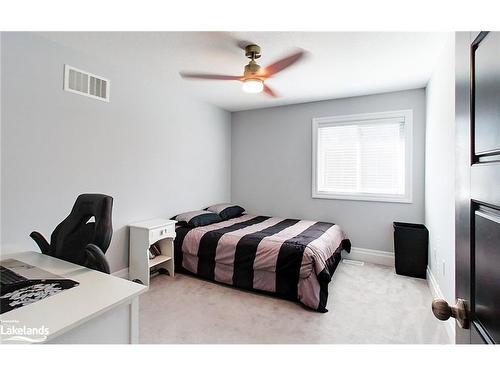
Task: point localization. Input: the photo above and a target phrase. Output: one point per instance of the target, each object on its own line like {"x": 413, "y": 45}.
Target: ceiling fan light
{"x": 253, "y": 86}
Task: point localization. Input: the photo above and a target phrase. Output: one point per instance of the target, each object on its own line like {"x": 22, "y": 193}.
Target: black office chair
{"x": 77, "y": 238}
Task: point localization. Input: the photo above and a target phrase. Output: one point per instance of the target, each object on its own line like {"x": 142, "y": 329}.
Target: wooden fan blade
{"x": 210, "y": 76}
{"x": 268, "y": 91}
{"x": 284, "y": 63}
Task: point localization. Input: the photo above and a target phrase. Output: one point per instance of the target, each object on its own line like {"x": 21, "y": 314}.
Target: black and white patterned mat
{"x": 17, "y": 296}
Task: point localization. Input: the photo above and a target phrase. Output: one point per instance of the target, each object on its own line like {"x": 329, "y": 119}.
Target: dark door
{"x": 477, "y": 116}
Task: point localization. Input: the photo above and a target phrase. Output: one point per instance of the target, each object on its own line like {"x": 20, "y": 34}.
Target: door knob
{"x": 443, "y": 311}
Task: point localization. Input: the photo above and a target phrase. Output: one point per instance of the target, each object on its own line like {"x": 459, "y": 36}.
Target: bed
{"x": 292, "y": 259}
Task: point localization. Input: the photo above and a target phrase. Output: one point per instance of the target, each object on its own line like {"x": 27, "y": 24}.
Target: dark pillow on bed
{"x": 226, "y": 210}
{"x": 198, "y": 218}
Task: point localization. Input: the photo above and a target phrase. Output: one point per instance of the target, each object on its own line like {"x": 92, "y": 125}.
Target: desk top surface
{"x": 97, "y": 293}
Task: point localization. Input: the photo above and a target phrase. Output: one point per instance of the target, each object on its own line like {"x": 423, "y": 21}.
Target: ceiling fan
{"x": 254, "y": 77}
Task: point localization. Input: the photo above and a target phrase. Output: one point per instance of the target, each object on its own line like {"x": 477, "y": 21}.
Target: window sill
{"x": 363, "y": 197}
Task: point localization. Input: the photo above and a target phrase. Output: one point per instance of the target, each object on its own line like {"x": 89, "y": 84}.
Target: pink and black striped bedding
{"x": 293, "y": 259}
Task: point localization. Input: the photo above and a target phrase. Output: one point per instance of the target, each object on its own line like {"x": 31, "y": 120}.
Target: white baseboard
{"x": 436, "y": 293}
{"x": 384, "y": 258}
{"x": 123, "y": 273}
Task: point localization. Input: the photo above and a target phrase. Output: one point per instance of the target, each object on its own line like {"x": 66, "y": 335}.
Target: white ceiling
{"x": 338, "y": 64}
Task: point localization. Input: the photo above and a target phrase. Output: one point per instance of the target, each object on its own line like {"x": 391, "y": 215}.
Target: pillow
{"x": 226, "y": 210}
{"x": 198, "y": 218}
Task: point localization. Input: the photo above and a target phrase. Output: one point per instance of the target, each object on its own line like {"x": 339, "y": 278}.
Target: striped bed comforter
{"x": 293, "y": 259}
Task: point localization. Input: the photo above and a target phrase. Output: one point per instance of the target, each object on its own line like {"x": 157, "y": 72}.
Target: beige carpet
{"x": 367, "y": 304}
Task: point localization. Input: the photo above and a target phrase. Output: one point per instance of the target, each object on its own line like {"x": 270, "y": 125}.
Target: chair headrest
{"x": 77, "y": 230}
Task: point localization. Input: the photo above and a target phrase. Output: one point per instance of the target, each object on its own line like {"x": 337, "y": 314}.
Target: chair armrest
{"x": 95, "y": 259}
{"x": 42, "y": 243}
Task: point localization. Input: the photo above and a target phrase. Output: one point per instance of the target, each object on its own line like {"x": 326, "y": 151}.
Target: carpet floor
{"x": 368, "y": 304}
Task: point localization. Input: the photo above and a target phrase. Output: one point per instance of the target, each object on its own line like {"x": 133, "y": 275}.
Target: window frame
{"x": 319, "y": 122}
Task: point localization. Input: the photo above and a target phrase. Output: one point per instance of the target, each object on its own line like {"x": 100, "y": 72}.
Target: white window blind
{"x": 362, "y": 158}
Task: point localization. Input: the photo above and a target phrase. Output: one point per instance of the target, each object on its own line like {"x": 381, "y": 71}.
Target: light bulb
{"x": 253, "y": 85}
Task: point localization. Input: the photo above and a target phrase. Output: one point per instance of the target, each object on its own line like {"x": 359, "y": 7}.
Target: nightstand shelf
{"x": 158, "y": 260}
{"x": 142, "y": 236}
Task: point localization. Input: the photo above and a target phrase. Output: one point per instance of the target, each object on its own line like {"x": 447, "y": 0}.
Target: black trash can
{"x": 411, "y": 243}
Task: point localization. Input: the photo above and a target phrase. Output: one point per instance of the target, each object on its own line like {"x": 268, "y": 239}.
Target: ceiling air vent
{"x": 87, "y": 84}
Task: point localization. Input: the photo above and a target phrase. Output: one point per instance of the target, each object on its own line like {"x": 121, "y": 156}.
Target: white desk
{"x": 102, "y": 309}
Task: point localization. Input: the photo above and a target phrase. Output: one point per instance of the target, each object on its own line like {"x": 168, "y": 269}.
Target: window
{"x": 363, "y": 157}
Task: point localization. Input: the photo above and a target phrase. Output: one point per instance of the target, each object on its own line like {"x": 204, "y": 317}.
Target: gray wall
{"x": 271, "y": 166}
{"x": 153, "y": 148}
{"x": 440, "y": 173}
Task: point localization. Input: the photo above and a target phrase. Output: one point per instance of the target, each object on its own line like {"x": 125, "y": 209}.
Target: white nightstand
{"x": 142, "y": 236}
